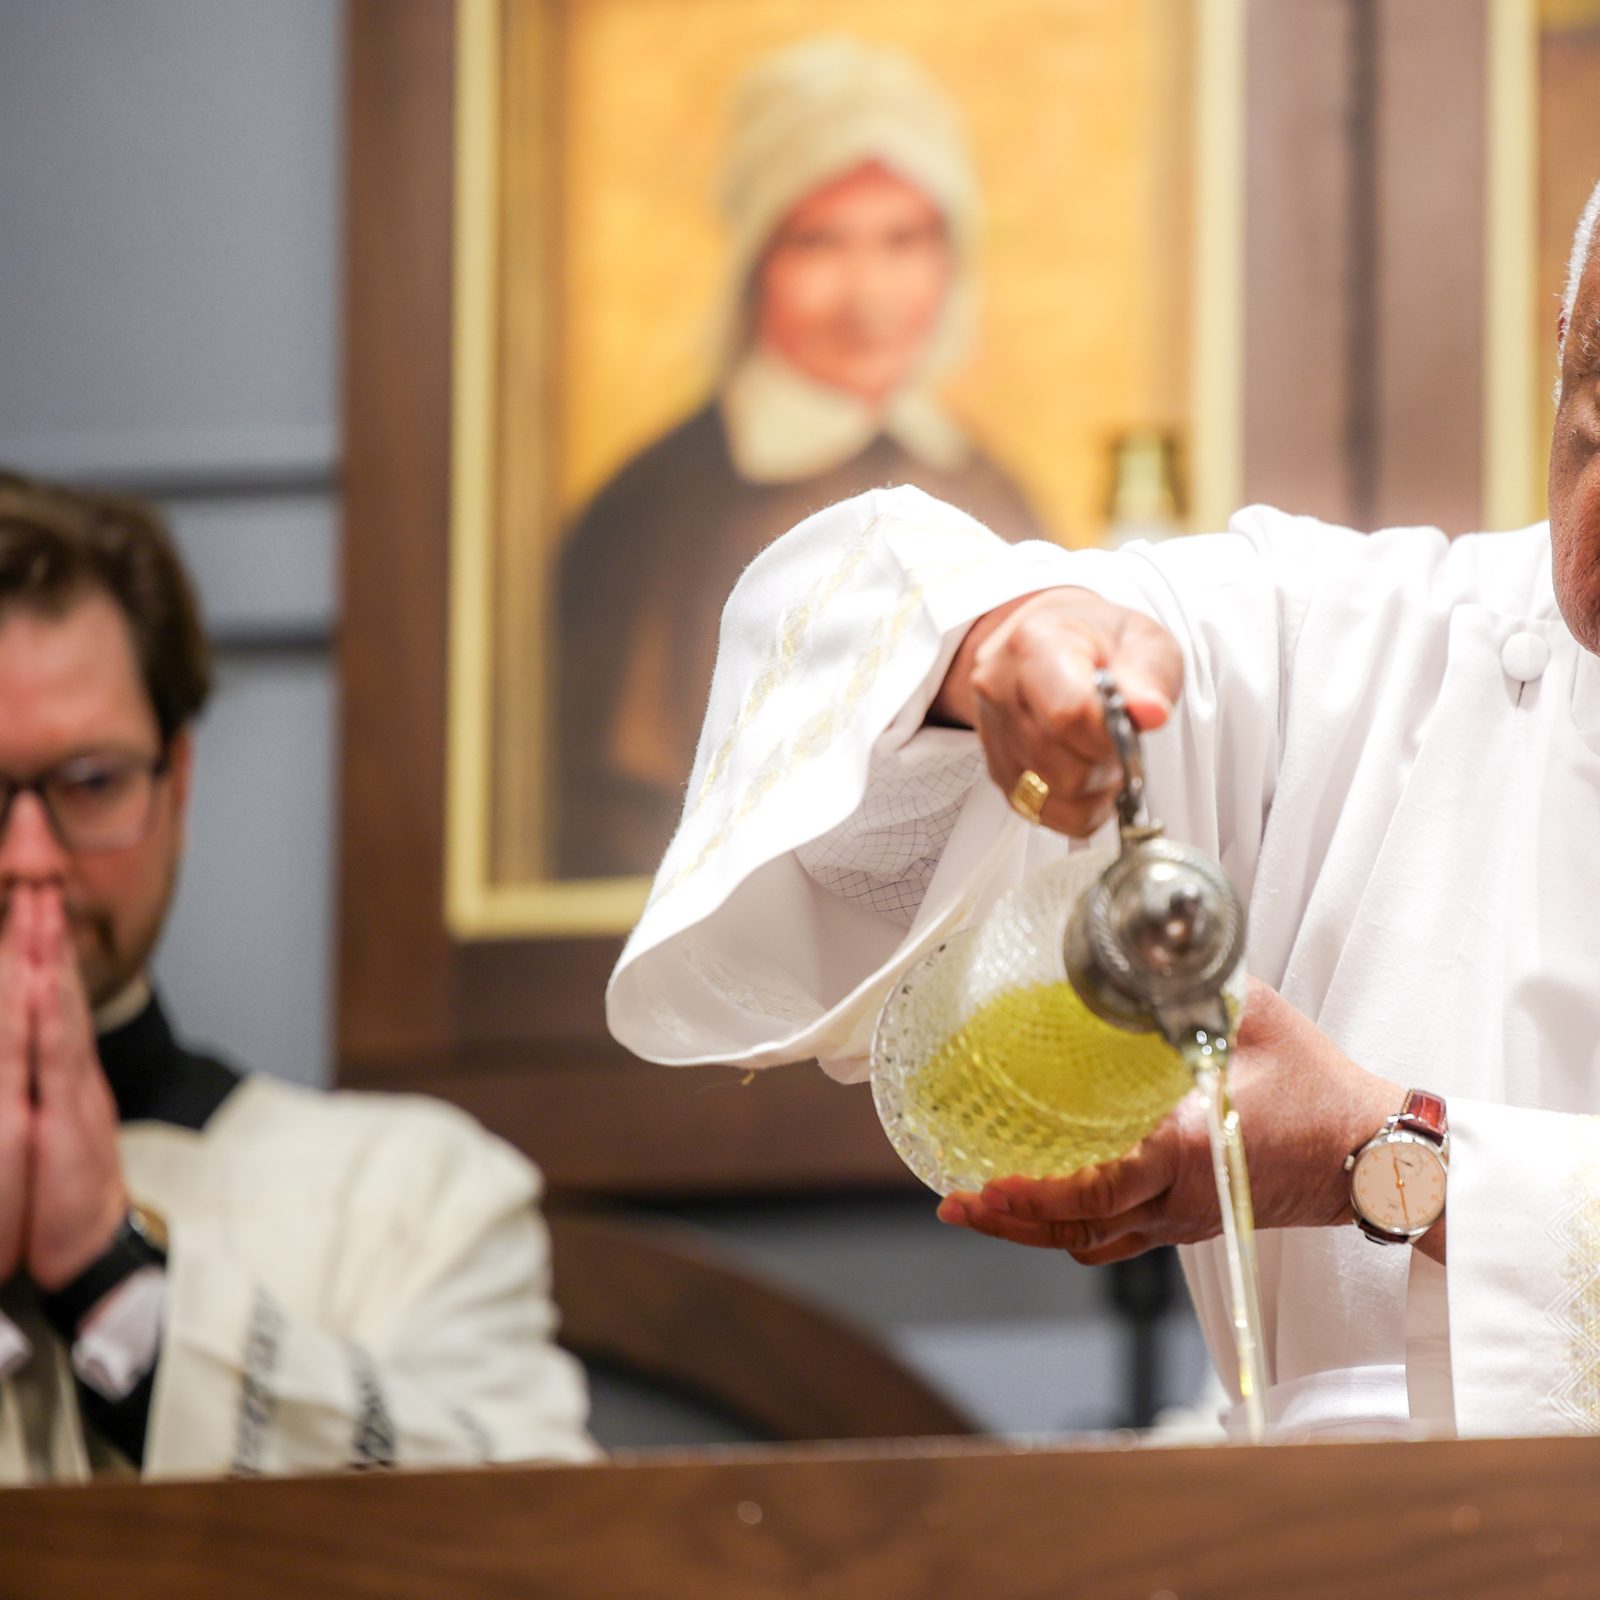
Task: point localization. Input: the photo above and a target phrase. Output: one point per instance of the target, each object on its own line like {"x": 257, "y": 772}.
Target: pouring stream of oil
{"x": 1207, "y": 1058}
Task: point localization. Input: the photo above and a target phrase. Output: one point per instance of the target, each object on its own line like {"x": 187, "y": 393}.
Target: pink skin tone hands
{"x": 1024, "y": 679}
{"x": 62, "y": 1194}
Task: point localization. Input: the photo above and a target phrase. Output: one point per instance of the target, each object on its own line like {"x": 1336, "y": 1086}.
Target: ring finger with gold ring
{"x": 1028, "y": 795}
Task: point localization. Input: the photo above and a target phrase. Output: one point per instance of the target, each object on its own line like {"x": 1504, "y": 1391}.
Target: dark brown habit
{"x": 643, "y": 579}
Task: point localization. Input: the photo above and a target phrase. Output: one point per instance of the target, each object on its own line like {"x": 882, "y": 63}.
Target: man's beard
{"x": 106, "y": 963}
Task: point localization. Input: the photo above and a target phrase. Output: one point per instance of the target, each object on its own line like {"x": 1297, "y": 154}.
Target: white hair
{"x": 1583, "y": 242}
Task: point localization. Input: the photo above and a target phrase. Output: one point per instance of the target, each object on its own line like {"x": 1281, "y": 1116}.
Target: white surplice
{"x": 1392, "y": 742}
{"x": 353, "y": 1280}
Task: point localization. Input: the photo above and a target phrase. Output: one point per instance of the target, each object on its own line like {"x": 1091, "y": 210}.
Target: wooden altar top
{"x": 924, "y": 1521}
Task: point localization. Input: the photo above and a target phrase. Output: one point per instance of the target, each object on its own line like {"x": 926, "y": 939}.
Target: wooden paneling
{"x": 1497, "y": 1520}
{"x": 601, "y": 1123}
{"x": 1428, "y": 336}
{"x": 1298, "y": 257}
{"x": 1364, "y": 340}
{"x": 395, "y": 969}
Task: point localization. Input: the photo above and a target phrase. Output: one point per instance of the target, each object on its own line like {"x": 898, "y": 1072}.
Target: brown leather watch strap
{"x": 1423, "y": 1113}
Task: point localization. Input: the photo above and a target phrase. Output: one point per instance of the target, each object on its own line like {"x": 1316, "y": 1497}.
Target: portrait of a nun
{"x": 852, "y": 220}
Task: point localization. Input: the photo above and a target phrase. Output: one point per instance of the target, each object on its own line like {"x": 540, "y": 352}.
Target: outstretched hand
{"x": 1024, "y": 678}
{"x": 1303, "y": 1107}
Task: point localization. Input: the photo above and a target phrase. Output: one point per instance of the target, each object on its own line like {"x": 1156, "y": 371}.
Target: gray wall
{"x": 169, "y": 173}
{"x": 168, "y": 319}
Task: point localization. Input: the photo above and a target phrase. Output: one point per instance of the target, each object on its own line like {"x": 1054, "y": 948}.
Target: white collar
{"x": 783, "y": 426}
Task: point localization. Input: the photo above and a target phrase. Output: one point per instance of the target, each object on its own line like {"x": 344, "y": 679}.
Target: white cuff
{"x": 884, "y": 854}
{"x": 120, "y": 1341}
{"x": 1430, "y": 1384}
{"x": 14, "y": 1347}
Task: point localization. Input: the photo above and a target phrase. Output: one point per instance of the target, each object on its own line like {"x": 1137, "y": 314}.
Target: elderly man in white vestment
{"x": 203, "y": 1272}
{"x": 1391, "y": 742}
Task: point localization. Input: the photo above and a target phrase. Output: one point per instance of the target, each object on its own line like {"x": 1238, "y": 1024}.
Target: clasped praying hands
{"x": 62, "y": 1195}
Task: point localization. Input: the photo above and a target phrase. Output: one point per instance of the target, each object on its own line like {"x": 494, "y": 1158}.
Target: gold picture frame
{"x": 1544, "y": 68}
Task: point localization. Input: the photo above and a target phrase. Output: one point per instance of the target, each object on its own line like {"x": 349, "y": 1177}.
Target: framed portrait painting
{"x": 719, "y": 263}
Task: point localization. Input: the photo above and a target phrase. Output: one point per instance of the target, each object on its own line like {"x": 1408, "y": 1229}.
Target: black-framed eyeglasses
{"x": 94, "y": 802}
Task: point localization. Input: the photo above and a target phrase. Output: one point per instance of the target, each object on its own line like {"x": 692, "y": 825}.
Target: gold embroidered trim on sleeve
{"x": 1576, "y": 1309}
{"x": 790, "y": 648}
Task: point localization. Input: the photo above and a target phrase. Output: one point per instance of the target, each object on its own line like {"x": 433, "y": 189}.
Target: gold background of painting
{"x": 588, "y": 260}
{"x": 1081, "y": 145}
{"x": 1078, "y": 113}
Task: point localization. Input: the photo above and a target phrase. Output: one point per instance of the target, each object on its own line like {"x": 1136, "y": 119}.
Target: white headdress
{"x": 816, "y": 111}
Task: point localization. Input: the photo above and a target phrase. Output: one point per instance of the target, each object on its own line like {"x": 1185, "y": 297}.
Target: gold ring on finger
{"x": 1028, "y": 795}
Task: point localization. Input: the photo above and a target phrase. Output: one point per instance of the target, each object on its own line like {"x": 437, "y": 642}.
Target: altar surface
{"x": 939, "y": 1521}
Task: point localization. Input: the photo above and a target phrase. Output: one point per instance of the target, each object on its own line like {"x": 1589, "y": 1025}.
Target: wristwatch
{"x": 140, "y": 1241}
{"x": 1397, "y": 1178}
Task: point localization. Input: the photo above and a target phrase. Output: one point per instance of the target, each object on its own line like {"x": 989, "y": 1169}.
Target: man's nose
{"x": 29, "y": 849}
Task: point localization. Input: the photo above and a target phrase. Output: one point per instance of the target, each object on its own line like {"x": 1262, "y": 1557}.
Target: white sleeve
{"x": 782, "y": 910}
{"x": 1523, "y": 1271}
{"x": 121, "y": 1339}
{"x": 431, "y": 1344}
{"x": 832, "y": 646}
{"x": 885, "y": 853}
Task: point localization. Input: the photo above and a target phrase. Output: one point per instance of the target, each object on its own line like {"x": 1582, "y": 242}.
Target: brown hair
{"x": 58, "y": 545}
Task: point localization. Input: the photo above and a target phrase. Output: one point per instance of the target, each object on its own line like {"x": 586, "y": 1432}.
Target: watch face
{"x": 1398, "y": 1185}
